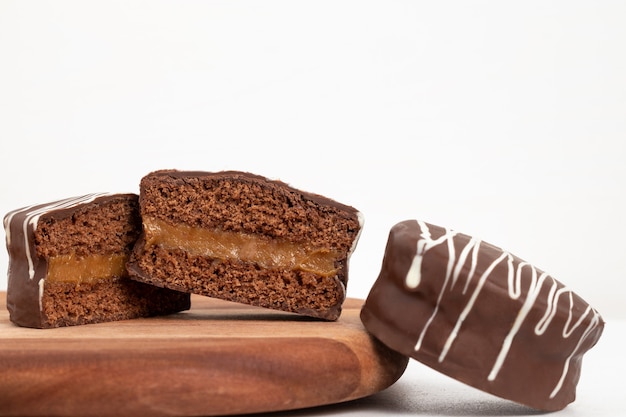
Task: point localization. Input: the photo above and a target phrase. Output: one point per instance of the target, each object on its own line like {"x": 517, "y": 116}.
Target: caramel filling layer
{"x": 70, "y": 268}
{"x": 271, "y": 254}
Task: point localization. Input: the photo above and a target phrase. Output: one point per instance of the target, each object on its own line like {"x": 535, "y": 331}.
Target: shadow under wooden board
{"x": 218, "y": 358}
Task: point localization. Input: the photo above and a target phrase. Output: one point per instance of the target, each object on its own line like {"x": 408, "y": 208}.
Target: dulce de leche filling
{"x": 271, "y": 254}
{"x": 71, "y": 268}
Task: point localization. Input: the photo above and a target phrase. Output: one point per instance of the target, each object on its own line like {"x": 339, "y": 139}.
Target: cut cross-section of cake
{"x": 67, "y": 264}
{"x": 245, "y": 238}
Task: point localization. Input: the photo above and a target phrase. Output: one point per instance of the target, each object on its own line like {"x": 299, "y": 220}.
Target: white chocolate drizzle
{"x": 40, "y": 284}
{"x": 33, "y": 213}
{"x": 514, "y": 283}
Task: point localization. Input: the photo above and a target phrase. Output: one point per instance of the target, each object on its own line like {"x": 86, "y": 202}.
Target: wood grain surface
{"x": 219, "y": 358}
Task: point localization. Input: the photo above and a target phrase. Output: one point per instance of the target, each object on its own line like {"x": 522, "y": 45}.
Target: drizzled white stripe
{"x": 8, "y": 219}
{"x": 533, "y": 292}
{"x": 514, "y": 282}
{"x": 469, "y": 306}
{"x": 32, "y": 218}
{"x": 40, "y": 284}
{"x": 423, "y": 245}
{"x": 595, "y": 321}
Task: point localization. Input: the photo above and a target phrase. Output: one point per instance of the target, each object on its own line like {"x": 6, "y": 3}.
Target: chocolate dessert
{"x": 244, "y": 238}
{"x": 67, "y": 264}
{"x": 480, "y": 315}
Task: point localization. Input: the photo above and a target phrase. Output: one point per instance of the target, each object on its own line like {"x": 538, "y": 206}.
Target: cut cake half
{"x": 67, "y": 264}
{"x": 244, "y": 238}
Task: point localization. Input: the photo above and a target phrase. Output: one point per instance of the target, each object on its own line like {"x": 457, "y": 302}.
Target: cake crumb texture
{"x": 111, "y": 227}
{"x": 288, "y": 290}
{"x": 69, "y": 304}
{"x": 67, "y": 264}
{"x": 249, "y": 204}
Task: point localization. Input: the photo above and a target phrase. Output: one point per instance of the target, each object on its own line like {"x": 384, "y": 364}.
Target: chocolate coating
{"x": 27, "y": 270}
{"x": 28, "y": 295}
{"x": 480, "y": 315}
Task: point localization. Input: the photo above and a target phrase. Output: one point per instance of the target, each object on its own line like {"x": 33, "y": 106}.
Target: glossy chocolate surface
{"x": 481, "y": 315}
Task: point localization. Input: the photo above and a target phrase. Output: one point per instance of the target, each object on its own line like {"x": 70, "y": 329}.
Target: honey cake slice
{"x": 245, "y": 238}
{"x": 67, "y": 264}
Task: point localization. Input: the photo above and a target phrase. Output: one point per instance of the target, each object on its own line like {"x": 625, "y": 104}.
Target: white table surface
{"x": 423, "y": 392}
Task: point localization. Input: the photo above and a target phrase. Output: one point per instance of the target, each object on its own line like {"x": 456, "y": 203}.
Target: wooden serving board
{"x": 219, "y": 358}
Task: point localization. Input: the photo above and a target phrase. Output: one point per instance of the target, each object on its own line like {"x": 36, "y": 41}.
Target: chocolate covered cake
{"x": 67, "y": 264}
{"x": 245, "y": 238}
{"x": 480, "y": 315}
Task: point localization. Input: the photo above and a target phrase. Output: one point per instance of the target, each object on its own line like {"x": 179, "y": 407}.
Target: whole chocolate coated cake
{"x": 244, "y": 238}
{"x": 67, "y": 264}
{"x": 480, "y": 315}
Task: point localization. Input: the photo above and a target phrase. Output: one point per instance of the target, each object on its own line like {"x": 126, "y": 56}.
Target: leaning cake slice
{"x": 67, "y": 264}
{"x": 244, "y": 238}
{"x": 481, "y": 315}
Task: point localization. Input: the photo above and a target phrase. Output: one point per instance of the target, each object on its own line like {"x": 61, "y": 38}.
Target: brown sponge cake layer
{"x": 68, "y": 304}
{"x": 103, "y": 227}
{"x": 67, "y": 263}
{"x": 291, "y": 248}
{"x": 294, "y": 291}
{"x": 247, "y": 203}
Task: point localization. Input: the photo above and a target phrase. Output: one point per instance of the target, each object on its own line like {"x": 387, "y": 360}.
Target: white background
{"x": 503, "y": 120}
